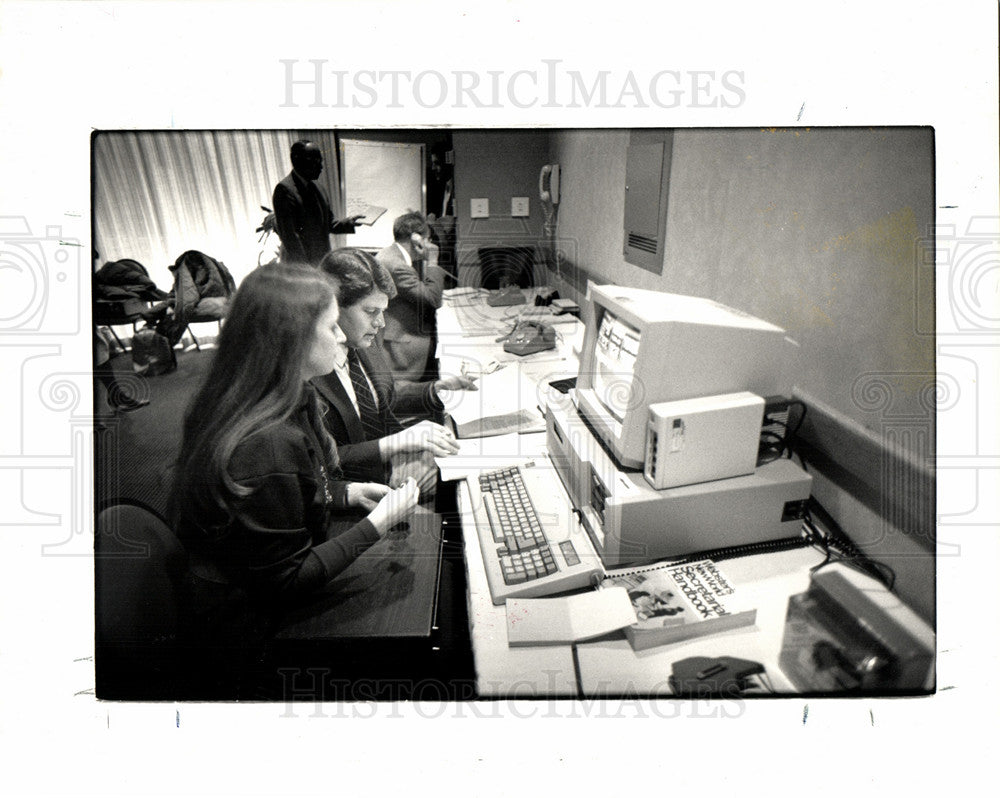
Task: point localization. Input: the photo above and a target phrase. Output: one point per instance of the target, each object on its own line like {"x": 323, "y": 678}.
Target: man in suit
{"x": 302, "y": 214}
{"x": 361, "y": 394}
{"x": 410, "y": 326}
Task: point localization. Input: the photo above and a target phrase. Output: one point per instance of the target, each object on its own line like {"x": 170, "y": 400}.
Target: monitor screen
{"x": 615, "y": 351}
{"x": 645, "y": 347}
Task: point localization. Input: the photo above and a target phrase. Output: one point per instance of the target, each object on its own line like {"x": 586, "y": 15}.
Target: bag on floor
{"x": 152, "y": 353}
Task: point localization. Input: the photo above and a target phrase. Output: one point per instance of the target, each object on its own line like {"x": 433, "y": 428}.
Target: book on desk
{"x": 680, "y": 602}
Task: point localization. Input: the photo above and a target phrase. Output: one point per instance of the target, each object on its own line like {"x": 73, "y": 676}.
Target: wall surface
{"x": 818, "y": 231}
{"x": 496, "y": 165}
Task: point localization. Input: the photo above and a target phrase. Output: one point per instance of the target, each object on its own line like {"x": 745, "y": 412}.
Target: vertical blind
{"x": 159, "y": 193}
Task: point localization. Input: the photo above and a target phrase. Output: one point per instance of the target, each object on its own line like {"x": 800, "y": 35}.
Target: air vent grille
{"x": 644, "y": 243}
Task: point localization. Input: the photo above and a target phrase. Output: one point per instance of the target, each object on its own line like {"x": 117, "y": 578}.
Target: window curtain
{"x": 159, "y": 193}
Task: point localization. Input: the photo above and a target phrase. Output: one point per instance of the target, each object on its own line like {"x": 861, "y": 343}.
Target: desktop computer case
{"x": 630, "y": 522}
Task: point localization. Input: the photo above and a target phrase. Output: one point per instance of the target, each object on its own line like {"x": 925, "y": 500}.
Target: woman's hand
{"x": 423, "y": 437}
{"x": 395, "y": 506}
{"x": 365, "y": 494}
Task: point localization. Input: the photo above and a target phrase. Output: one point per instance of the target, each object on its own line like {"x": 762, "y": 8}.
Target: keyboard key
{"x": 569, "y": 553}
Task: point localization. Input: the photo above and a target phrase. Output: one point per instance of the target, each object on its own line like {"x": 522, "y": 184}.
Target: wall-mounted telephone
{"x": 548, "y": 193}
{"x": 548, "y": 184}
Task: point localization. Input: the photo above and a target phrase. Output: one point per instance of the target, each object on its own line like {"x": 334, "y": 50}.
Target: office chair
{"x": 139, "y": 565}
{"x": 125, "y": 294}
{"x": 503, "y": 266}
{"x": 203, "y": 287}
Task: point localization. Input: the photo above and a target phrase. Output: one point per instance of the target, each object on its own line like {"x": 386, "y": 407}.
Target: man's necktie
{"x": 370, "y": 418}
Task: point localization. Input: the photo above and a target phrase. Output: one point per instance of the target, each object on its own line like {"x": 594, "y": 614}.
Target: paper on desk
{"x": 567, "y": 619}
{"x": 484, "y": 454}
{"x": 450, "y": 293}
{"x": 503, "y": 391}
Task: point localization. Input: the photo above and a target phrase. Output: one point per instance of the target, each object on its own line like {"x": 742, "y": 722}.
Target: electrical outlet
{"x": 519, "y": 206}
{"x": 479, "y": 208}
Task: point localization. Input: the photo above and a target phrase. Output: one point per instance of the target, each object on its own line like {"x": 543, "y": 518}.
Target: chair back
{"x": 139, "y": 567}
{"x": 503, "y": 266}
{"x": 202, "y": 289}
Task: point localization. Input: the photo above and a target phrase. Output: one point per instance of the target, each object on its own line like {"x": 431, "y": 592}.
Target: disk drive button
{"x": 568, "y": 552}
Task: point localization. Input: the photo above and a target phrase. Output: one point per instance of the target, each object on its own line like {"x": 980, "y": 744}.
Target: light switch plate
{"x": 480, "y": 208}
{"x": 519, "y": 206}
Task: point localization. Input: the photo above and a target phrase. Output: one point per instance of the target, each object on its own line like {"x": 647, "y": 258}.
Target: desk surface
{"x": 389, "y": 591}
{"x": 467, "y": 329}
{"x": 610, "y": 666}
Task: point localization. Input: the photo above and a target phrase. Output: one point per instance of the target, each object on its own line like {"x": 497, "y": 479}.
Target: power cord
{"x": 831, "y": 539}
{"x": 777, "y": 434}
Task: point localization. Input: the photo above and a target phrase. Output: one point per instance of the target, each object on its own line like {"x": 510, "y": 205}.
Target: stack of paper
{"x": 567, "y": 619}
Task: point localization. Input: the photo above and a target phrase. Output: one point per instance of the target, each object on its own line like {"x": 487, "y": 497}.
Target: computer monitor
{"x": 644, "y": 347}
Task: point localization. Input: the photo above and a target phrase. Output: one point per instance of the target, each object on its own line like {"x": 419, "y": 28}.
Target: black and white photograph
{"x": 525, "y": 368}
{"x": 722, "y": 398}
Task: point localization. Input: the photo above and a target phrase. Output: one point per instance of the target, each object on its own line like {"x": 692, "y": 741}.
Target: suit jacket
{"x": 419, "y": 294}
{"x": 359, "y": 457}
{"x": 303, "y": 219}
{"x": 410, "y": 325}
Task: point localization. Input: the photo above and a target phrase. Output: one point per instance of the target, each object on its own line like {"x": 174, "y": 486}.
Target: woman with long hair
{"x": 259, "y": 490}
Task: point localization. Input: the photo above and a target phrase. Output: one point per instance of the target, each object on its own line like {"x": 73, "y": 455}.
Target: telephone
{"x": 548, "y": 193}
{"x": 529, "y": 337}
{"x": 548, "y": 184}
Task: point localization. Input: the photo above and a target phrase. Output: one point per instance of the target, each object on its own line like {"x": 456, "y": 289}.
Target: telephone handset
{"x": 548, "y": 184}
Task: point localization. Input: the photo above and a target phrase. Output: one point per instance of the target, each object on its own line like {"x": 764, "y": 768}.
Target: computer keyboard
{"x": 532, "y": 544}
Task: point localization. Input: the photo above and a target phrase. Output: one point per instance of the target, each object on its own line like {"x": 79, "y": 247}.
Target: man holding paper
{"x": 302, "y": 214}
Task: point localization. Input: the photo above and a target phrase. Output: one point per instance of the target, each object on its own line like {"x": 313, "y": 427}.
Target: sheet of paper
{"x": 484, "y": 454}
{"x": 500, "y": 392}
{"x": 567, "y": 619}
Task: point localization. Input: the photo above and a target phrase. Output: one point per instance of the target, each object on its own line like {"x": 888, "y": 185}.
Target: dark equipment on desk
{"x": 849, "y": 634}
{"x": 545, "y": 296}
{"x": 509, "y": 295}
{"x": 719, "y": 677}
{"x": 529, "y": 337}
{"x": 564, "y": 385}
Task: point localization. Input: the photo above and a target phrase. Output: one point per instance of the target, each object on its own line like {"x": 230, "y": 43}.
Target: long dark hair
{"x": 255, "y": 380}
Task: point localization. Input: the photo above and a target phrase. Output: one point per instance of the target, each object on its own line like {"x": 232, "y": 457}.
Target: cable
{"x": 775, "y": 444}
{"x": 839, "y": 548}
{"x": 749, "y": 549}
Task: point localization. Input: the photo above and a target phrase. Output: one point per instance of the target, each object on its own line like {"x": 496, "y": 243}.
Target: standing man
{"x": 410, "y": 323}
{"x": 302, "y": 212}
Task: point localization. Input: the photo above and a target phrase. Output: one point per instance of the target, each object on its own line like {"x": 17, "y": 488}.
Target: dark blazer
{"x": 360, "y": 458}
{"x": 303, "y": 219}
{"x": 410, "y": 320}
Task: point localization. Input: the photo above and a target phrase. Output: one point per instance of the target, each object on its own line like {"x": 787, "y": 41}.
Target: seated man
{"x": 362, "y": 396}
{"x": 410, "y": 325}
